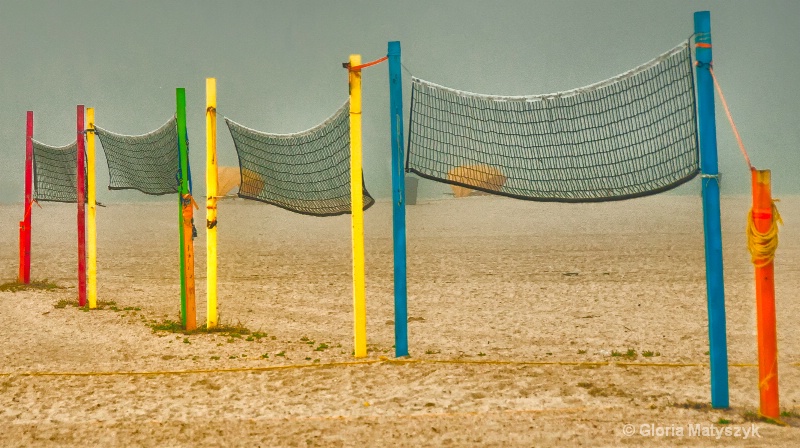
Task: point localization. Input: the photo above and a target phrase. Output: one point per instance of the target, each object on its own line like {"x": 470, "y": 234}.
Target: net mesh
{"x": 149, "y": 163}
{"x": 55, "y": 172}
{"x": 632, "y": 135}
{"x": 307, "y": 172}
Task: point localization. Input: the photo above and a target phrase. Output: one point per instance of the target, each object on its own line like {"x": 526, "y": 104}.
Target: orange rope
{"x": 730, "y": 118}
{"x": 368, "y": 64}
{"x": 29, "y": 207}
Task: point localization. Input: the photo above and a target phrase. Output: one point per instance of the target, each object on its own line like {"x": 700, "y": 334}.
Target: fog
{"x": 278, "y": 66}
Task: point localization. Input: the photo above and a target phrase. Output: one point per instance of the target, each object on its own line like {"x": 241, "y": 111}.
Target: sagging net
{"x": 55, "y": 172}
{"x": 149, "y": 163}
{"x": 307, "y": 172}
{"x": 629, "y": 136}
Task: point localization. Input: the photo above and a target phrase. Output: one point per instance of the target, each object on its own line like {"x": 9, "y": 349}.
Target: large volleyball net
{"x": 306, "y": 172}
{"x": 631, "y": 135}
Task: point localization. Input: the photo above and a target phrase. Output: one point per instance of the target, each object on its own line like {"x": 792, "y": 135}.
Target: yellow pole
{"x": 357, "y": 204}
{"x": 91, "y": 223}
{"x": 212, "y": 183}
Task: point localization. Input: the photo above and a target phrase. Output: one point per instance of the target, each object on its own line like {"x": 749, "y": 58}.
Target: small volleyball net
{"x": 55, "y": 172}
{"x": 629, "y": 136}
{"x": 306, "y": 172}
{"x": 148, "y": 163}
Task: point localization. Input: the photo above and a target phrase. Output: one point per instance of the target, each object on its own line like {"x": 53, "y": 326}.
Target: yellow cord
{"x": 762, "y": 246}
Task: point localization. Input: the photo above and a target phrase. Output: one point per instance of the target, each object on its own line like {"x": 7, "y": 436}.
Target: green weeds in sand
{"x": 650, "y": 354}
{"x": 39, "y": 285}
{"x": 232, "y": 331}
{"x": 101, "y": 305}
{"x": 790, "y": 414}
{"x": 630, "y": 354}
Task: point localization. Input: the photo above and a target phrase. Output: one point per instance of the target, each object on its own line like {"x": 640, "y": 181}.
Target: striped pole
{"x": 763, "y": 221}
{"x": 91, "y": 223}
{"x": 81, "y": 198}
{"x": 357, "y": 201}
{"x": 188, "y": 311}
{"x": 212, "y": 182}
{"x": 707, "y": 130}
{"x": 25, "y": 224}
{"x": 398, "y": 202}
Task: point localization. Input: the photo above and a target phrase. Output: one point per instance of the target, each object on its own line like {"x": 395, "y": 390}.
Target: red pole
{"x": 81, "y": 194}
{"x": 25, "y": 224}
{"x": 765, "y": 300}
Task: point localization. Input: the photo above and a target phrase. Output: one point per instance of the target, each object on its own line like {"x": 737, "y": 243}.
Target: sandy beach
{"x": 518, "y": 312}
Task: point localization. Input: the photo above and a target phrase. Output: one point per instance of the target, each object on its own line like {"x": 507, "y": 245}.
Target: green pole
{"x": 183, "y": 188}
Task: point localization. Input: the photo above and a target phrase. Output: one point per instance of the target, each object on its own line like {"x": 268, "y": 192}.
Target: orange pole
{"x": 765, "y": 300}
{"x": 188, "y": 248}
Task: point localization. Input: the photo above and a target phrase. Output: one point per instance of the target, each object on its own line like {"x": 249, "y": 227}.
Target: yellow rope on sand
{"x": 381, "y": 360}
{"x": 762, "y": 246}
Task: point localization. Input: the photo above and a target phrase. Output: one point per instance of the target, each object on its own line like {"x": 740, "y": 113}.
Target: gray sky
{"x": 278, "y": 67}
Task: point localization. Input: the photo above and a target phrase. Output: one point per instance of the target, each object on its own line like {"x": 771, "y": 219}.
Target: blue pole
{"x": 398, "y": 203}
{"x": 718, "y": 351}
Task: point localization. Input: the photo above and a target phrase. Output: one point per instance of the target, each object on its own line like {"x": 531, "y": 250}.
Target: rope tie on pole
{"x": 29, "y": 207}
{"x": 728, "y": 114}
{"x": 365, "y": 65}
{"x": 762, "y": 246}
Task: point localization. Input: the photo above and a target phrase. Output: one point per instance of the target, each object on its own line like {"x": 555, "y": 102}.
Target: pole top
{"x": 394, "y": 48}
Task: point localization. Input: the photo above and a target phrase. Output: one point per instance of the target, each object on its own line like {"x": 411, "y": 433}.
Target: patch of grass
{"x": 215, "y": 358}
{"x": 609, "y": 391}
{"x": 630, "y": 354}
{"x": 697, "y": 406}
{"x": 232, "y": 331}
{"x": 723, "y": 421}
{"x": 481, "y": 354}
{"x": 101, "y": 305}
{"x": 265, "y": 356}
{"x": 790, "y": 414}
{"x": 650, "y": 354}
{"x": 322, "y": 346}
{"x": 585, "y": 385}
{"x": 432, "y": 352}
{"x": 40, "y": 285}
{"x": 754, "y": 416}
{"x": 581, "y": 352}
{"x": 281, "y": 353}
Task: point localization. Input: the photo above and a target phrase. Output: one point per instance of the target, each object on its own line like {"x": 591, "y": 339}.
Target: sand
{"x": 510, "y": 304}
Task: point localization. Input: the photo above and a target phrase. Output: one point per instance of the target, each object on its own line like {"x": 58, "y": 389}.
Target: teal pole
{"x": 183, "y": 188}
{"x": 707, "y": 130}
{"x": 398, "y": 203}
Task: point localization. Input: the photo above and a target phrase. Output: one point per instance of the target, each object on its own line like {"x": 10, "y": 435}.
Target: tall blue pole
{"x": 398, "y": 203}
{"x": 718, "y": 350}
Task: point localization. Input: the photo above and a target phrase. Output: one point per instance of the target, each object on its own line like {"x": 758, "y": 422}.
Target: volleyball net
{"x": 55, "y": 172}
{"x": 149, "y": 163}
{"x": 631, "y": 135}
{"x": 306, "y": 172}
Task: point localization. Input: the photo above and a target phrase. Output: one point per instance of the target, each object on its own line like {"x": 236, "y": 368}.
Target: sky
{"x": 278, "y": 68}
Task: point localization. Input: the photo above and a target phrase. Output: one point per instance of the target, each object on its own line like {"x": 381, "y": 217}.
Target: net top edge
{"x": 58, "y": 148}
{"x": 146, "y": 134}
{"x": 344, "y": 107}
{"x": 566, "y": 93}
